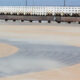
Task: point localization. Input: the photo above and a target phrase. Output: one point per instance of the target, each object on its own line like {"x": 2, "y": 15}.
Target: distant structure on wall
{"x": 38, "y": 10}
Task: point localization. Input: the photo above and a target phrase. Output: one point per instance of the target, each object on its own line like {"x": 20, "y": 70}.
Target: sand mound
{"x": 6, "y": 50}
{"x": 69, "y": 73}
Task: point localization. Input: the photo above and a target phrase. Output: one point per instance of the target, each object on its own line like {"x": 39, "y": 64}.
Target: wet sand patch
{"x": 37, "y": 57}
{"x": 67, "y": 73}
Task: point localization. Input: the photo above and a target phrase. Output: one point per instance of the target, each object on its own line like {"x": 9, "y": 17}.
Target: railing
{"x": 40, "y": 10}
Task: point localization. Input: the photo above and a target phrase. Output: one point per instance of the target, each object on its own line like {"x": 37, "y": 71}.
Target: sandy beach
{"x": 66, "y": 34}
{"x": 30, "y": 39}
{"x": 7, "y": 50}
{"x": 69, "y": 73}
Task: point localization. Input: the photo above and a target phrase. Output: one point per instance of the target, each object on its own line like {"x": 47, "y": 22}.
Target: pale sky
{"x": 39, "y": 2}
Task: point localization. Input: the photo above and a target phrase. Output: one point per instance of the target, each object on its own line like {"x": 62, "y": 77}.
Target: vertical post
{"x": 33, "y": 3}
{"x": 64, "y": 3}
{"x": 26, "y": 3}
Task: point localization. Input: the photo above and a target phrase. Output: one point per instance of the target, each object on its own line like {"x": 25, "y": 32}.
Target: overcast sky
{"x": 38, "y": 2}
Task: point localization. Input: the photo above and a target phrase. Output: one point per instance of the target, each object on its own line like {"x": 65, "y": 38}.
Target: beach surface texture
{"x": 7, "y": 50}
{"x": 33, "y": 51}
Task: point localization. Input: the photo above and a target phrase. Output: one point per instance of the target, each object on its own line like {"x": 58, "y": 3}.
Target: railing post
{"x": 64, "y": 2}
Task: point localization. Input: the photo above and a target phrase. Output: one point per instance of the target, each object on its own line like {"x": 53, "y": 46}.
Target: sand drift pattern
{"x": 36, "y": 57}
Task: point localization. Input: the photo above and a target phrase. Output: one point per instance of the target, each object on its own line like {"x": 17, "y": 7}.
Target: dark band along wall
{"x": 39, "y": 2}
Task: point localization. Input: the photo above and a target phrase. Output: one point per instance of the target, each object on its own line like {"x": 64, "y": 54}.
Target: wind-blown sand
{"x": 7, "y": 50}
{"x": 63, "y": 34}
{"x": 69, "y": 73}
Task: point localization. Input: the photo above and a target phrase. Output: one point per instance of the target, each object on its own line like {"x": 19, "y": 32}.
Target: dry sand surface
{"x": 6, "y": 50}
{"x": 53, "y": 34}
{"x": 63, "y": 34}
{"x": 69, "y": 73}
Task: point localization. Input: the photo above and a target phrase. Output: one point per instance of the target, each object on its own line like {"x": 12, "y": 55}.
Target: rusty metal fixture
{"x": 78, "y": 22}
{"x": 6, "y": 19}
{"x": 69, "y": 22}
{"x": 22, "y": 20}
{"x": 58, "y": 22}
{"x": 40, "y": 21}
{"x": 49, "y": 21}
{"x": 31, "y": 21}
{"x": 14, "y": 20}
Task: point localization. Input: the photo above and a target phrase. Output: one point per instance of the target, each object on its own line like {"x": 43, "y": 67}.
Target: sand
{"x": 64, "y": 34}
{"x": 69, "y": 73}
{"x": 7, "y": 50}
{"x": 46, "y": 34}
